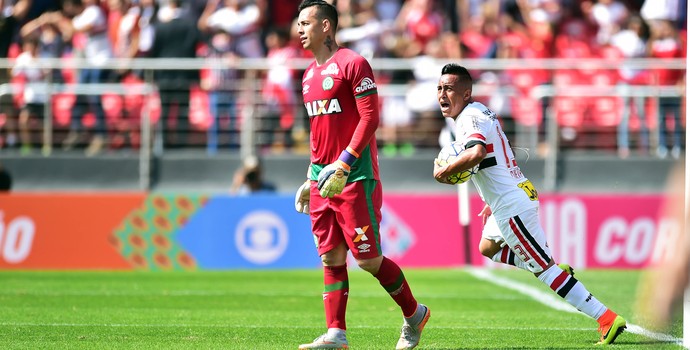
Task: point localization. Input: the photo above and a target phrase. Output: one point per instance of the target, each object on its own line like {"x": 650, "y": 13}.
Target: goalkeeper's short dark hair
{"x": 323, "y": 10}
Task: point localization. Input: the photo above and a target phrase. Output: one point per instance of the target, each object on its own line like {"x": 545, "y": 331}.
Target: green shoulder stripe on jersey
{"x": 367, "y": 93}
{"x": 361, "y": 169}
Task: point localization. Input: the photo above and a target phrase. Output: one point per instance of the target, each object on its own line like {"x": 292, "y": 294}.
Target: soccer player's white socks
{"x": 508, "y": 257}
{"x": 572, "y": 291}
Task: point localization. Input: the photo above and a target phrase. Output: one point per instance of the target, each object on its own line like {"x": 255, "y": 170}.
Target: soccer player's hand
{"x": 332, "y": 179}
{"x": 485, "y": 213}
{"x": 440, "y": 171}
{"x": 302, "y": 198}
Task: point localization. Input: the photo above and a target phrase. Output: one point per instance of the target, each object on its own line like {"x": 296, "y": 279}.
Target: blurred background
{"x": 158, "y": 127}
{"x": 172, "y": 95}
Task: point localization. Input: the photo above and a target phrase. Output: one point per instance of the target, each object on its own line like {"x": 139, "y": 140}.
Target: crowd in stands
{"x": 430, "y": 32}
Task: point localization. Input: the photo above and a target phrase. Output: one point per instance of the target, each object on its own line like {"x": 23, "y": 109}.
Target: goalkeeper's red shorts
{"x": 352, "y": 216}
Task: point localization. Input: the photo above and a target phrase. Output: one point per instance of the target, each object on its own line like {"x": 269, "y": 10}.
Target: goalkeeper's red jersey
{"x": 341, "y": 101}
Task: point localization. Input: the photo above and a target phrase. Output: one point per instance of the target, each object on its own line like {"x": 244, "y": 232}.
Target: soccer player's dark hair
{"x": 323, "y": 10}
{"x": 459, "y": 71}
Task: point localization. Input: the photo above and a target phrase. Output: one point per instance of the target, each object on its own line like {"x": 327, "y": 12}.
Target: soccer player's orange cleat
{"x": 411, "y": 333}
{"x": 610, "y": 326}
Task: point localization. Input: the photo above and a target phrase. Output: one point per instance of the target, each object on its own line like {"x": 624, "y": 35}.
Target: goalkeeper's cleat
{"x": 567, "y": 268}
{"x": 327, "y": 341}
{"x": 610, "y": 326}
{"x": 411, "y": 333}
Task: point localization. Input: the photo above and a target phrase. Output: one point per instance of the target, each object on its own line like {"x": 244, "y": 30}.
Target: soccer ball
{"x": 448, "y": 155}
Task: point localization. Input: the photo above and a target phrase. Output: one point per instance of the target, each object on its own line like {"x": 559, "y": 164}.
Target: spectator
{"x": 282, "y": 13}
{"x": 34, "y": 97}
{"x": 609, "y": 15}
{"x": 668, "y": 10}
{"x": 631, "y": 42}
{"x": 220, "y": 79}
{"x": 278, "y": 92}
{"x": 10, "y": 17}
{"x": 85, "y": 19}
{"x": 148, "y": 17}
{"x": 479, "y": 36}
{"x": 420, "y": 22}
{"x": 248, "y": 179}
{"x": 51, "y": 43}
{"x": 176, "y": 36}
{"x": 421, "y": 97}
{"x": 124, "y": 31}
{"x": 664, "y": 43}
{"x": 360, "y": 29}
{"x": 241, "y": 20}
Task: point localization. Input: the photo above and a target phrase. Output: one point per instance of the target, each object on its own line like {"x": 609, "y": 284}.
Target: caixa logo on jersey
{"x": 366, "y": 84}
{"x": 261, "y": 237}
{"x": 323, "y": 107}
{"x": 16, "y": 238}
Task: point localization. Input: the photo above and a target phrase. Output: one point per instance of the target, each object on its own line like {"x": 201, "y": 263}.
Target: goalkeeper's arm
{"x": 333, "y": 177}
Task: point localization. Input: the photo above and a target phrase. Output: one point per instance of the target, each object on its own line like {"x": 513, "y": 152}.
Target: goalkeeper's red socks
{"x": 335, "y": 292}
{"x": 394, "y": 282}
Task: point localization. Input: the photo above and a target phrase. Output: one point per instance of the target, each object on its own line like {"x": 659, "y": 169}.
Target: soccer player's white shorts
{"x": 524, "y": 235}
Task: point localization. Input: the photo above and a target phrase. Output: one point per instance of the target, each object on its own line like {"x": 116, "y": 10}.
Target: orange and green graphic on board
{"x": 147, "y": 236}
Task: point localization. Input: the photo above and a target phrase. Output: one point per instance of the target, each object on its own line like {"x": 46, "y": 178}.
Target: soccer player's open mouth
{"x": 445, "y": 105}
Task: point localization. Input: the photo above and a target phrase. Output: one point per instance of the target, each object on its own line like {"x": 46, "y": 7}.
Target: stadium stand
{"x": 536, "y": 53}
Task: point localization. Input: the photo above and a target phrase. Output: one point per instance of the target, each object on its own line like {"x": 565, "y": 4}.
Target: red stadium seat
{"x": 199, "y": 109}
{"x": 526, "y": 110}
{"x": 14, "y": 51}
{"x": 523, "y": 80}
{"x": 606, "y": 111}
{"x": 113, "y": 108}
{"x": 62, "y": 108}
{"x": 570, "y": 111}
{"x": 88, "y": 120}
{"x": 153, "y": 104}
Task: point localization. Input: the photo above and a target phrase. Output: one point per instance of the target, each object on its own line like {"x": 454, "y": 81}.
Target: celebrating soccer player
{"x": 343, "y": 192}
{"x": 512, "y": 232}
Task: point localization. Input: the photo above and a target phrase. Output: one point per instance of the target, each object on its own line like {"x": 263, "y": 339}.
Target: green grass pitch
{"x": 280, "y": 309}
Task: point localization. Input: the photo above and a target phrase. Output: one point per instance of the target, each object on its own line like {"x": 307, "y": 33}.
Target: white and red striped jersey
{"x": 499, "y": 181}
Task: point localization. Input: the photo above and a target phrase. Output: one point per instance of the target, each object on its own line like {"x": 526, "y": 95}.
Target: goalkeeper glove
{"x": 333, "y": 177}
{"x": 302, "y": 198}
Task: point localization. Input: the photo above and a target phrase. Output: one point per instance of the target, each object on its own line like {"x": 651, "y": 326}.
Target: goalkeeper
{"x": 343, "y": 192}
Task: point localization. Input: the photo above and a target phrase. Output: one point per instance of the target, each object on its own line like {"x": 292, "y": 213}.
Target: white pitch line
{"x": 244, "y": 326}
{"x": 551, "y": 301}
